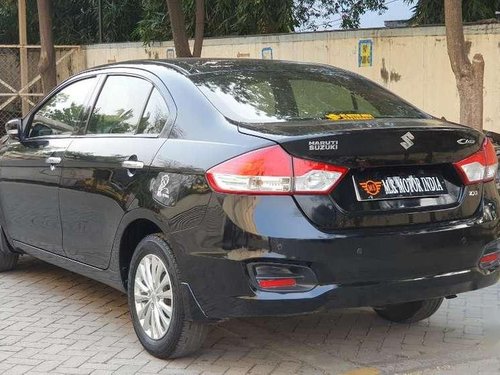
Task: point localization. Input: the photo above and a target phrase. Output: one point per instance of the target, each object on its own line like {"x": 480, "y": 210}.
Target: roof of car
{"x": 190, "y": 66}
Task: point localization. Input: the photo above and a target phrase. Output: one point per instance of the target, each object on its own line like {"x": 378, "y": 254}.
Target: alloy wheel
{"x": 153, "y": 296}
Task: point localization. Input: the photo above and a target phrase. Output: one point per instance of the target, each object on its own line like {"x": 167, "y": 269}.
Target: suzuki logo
{"x": 407, "y": 140}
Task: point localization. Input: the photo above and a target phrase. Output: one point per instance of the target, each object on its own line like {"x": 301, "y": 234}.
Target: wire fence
{"x": 19, "y": 94}
{"x": 10, "y": 106}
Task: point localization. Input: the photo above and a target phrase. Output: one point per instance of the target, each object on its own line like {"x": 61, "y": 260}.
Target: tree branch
{"x": 455, "y": 40}
{"x": 47, "y": 64}
{"x": 199, "y": 27}
{"x": 469, "y": 76}
{"x": 177, "y": 21}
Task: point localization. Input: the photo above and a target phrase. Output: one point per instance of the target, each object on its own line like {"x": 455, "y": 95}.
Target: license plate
{"x": 400, "y": 186}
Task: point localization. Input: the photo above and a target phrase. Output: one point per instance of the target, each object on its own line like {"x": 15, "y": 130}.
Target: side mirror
{"x": 14, "y": 128}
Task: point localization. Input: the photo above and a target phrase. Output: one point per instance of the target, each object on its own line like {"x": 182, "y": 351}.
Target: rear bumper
{"x": 368, "y": 267}
{"x": 223, "y": 288}
{"x": 327, "y": 297}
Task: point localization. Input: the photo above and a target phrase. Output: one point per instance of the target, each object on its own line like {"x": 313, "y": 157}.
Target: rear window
{"x": 301, "y": 93}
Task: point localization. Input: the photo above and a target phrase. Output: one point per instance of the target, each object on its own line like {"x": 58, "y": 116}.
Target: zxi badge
{"x": 407, "y": 140}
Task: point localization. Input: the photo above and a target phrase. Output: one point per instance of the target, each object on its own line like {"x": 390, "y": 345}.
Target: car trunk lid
{"x": 400, "y": 170}
{"x": 379, "y": 142}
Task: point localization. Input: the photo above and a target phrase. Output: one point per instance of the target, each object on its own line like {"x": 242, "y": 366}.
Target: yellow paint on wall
{"x": 363, "y": 371}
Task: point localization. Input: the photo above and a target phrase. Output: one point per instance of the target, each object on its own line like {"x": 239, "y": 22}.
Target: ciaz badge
{"x": 465, "y": 141}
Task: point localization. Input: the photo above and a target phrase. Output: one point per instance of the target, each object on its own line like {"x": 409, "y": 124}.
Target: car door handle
{"x": 53, "y": 160}
{"x": 132, "y": 164}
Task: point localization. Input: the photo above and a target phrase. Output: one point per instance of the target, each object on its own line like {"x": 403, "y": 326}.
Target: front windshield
{"x": 300, "y": 93}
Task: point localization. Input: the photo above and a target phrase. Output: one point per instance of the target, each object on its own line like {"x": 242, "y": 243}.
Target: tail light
{"x": 481, "y": 166}
{"x": 271, "y": 170}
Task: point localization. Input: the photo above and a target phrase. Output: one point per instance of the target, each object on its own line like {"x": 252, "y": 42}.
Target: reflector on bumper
{"x": 490, "y": 261}
{"x": 281, "y": 277}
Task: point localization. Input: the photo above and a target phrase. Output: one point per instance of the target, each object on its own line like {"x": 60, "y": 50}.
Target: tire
{"x": 410, "y": 312}
{"x": 8, "y": 259}
{"x": 182, "y": 337}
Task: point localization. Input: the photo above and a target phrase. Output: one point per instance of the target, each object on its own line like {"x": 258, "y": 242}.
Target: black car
{"x": 215, "y": 189}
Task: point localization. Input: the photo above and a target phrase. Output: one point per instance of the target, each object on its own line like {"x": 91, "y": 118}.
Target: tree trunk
{"x": 469, "y": 76}
{"x": 178, "y": 24}
{"x": 199, "y": 27}
{"x": 47, "y": 64}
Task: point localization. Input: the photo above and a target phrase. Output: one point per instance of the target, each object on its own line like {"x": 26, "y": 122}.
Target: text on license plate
{"x": 370, "y": 188}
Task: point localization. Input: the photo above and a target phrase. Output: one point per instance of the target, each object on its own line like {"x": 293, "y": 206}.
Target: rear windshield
{"x": 300, "y": 94}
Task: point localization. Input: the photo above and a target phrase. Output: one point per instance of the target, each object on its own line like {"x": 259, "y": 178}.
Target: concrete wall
{"x": 412, "y": 62}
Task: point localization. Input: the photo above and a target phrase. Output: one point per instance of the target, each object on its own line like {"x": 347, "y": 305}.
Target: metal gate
{"x": 20, "y": 83}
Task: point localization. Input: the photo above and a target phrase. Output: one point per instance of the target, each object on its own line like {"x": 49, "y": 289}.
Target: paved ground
{"x": 53, "y": 321}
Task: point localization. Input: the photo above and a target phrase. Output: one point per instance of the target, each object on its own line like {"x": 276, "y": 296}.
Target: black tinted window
{"x": 300, "y": 93}
{"x": 155, "y": 115}
{"x": 119, "y": 106}
{"x": 316, "y": 99}
{"x": 62, "y": 113}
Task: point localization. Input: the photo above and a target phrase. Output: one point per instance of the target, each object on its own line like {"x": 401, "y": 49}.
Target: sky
{"x": 397, "y": 11}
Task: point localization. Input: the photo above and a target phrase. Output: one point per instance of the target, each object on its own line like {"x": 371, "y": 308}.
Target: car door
{"x": 30, "y": 170}
{"x": 104, "y": 169}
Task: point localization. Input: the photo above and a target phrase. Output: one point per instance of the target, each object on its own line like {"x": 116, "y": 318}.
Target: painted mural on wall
{"x": 267, "y": 53}
{"x": 365, "y": 53}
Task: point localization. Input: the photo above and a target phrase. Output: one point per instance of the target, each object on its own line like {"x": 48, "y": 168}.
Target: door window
{"x": 120, "y": 106}
{"x": 62, "y": 113}
{"x": 155, "y": 115}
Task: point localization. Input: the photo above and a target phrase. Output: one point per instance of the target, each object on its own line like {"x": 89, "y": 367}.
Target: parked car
{"x": 216, "y": 189}
{"x": 495, "y": 139}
